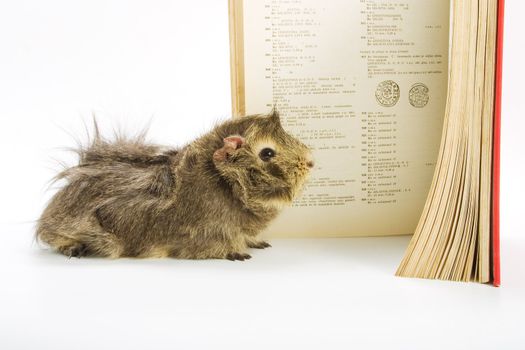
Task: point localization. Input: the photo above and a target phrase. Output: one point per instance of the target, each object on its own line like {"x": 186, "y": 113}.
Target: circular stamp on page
{"x": 387, "y": 93}
{"x": 418, "y": 95}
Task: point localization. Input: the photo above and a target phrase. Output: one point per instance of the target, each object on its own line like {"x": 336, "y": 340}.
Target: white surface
{"x": 130, "y": 61}
{"x": 299, "y": 294}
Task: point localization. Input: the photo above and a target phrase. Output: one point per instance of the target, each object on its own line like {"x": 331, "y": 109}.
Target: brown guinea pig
{"x": 209, "y": 199}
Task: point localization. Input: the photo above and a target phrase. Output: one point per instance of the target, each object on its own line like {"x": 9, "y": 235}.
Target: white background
{"x": 168, "y": 61}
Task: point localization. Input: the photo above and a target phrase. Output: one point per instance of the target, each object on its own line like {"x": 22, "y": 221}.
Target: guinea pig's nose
{"x": 310, "y": 161}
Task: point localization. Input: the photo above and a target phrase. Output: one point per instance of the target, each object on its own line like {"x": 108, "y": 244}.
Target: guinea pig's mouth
{"x": 297, "y": 187}
{"x": 278, "y": 202}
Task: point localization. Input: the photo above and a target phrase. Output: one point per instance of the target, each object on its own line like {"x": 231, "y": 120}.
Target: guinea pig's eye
{"x": 266, "y": 154}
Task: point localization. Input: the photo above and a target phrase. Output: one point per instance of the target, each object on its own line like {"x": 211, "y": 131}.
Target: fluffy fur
{"x": 209, "y": 199}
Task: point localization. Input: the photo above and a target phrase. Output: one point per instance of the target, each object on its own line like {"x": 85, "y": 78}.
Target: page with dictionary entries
{"x": 364, "y": 84}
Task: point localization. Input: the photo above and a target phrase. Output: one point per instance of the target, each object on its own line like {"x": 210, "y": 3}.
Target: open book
{"x": 405, "y": 140}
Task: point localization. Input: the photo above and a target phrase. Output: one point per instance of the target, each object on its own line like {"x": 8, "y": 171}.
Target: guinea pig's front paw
{"x": 238, "y": 256}
{"x": 258, "y": 244}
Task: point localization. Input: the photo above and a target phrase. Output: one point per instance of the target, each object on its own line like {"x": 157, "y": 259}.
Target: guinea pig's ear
{"x": 274, "y": 116}
{"x": 231, "y": 144}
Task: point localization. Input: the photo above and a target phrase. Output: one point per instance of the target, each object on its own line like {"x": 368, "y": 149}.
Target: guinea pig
{"x": 207, "y": 200}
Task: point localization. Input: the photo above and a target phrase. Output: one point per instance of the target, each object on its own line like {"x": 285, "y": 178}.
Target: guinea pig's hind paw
{"x": 238, "y": 256}
{"x": 259, "y": 245}
{"x": 76, "y": 250}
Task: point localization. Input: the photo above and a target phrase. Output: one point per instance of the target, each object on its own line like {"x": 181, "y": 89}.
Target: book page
{"x": 364, "y": 84}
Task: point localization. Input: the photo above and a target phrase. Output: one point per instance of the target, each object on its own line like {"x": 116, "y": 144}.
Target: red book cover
{"x": 496, "y": 155}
